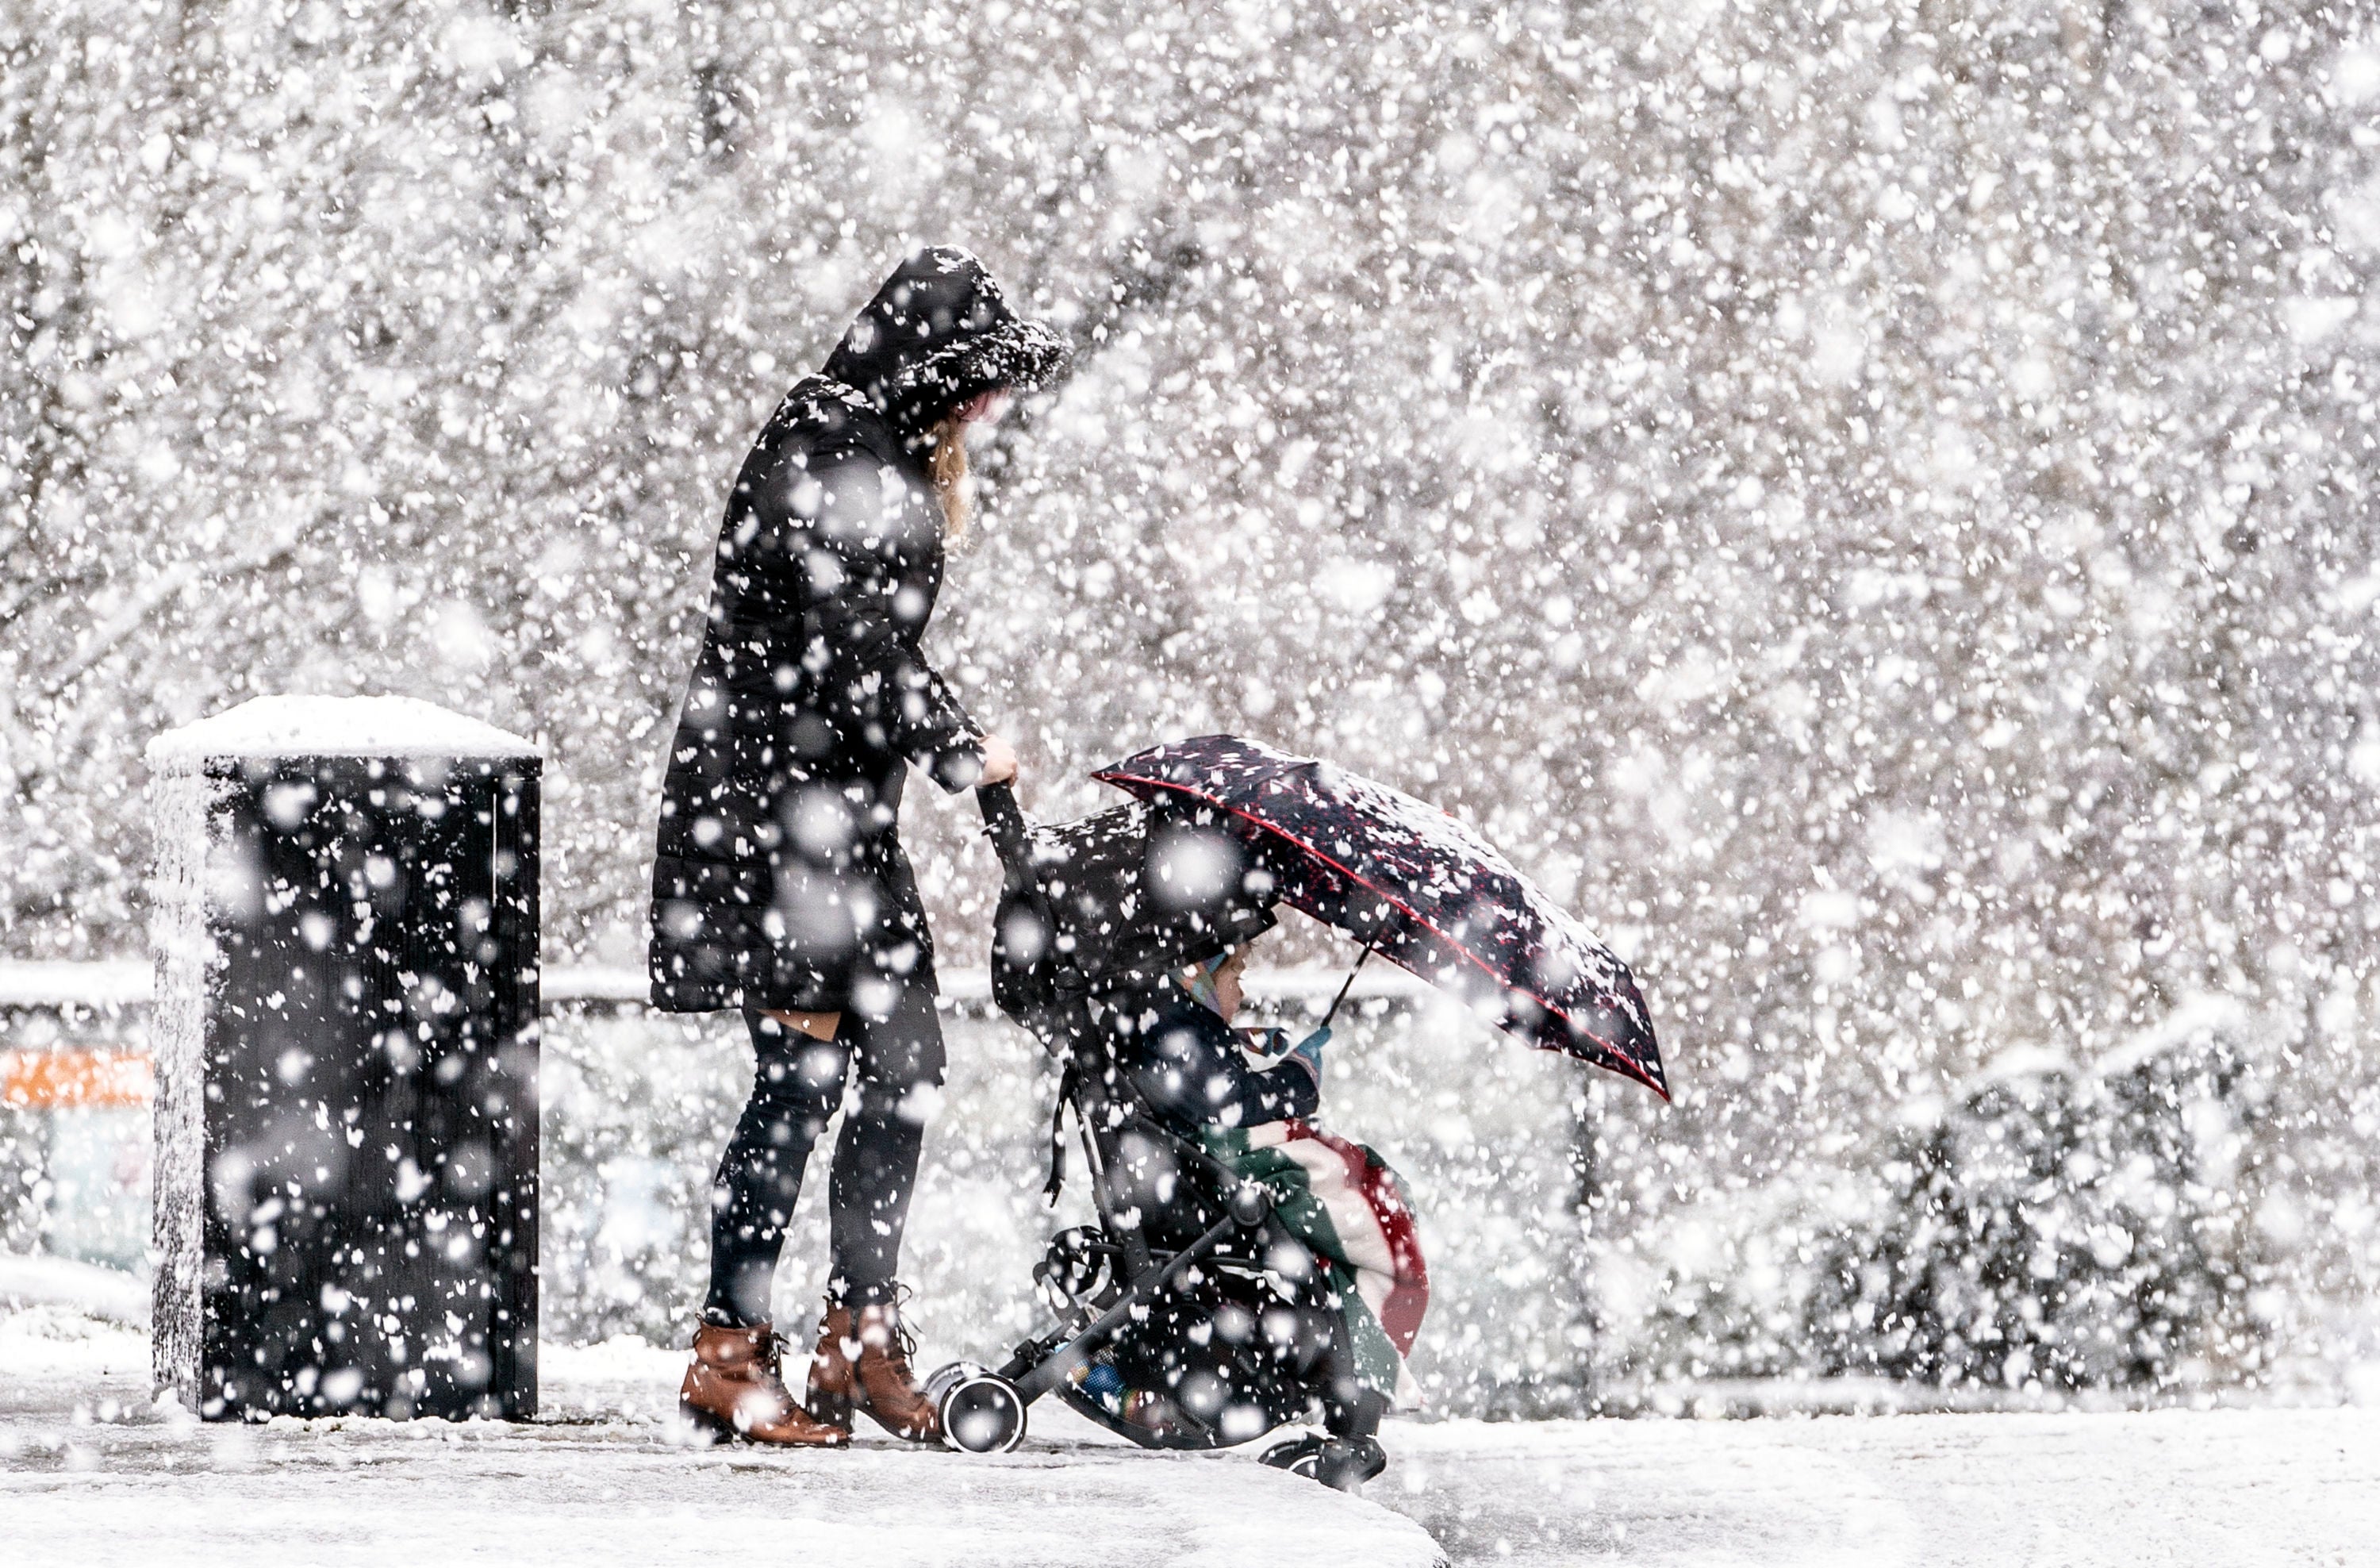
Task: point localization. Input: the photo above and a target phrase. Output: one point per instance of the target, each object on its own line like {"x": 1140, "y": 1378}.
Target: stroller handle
{"x": 1004, "y": 824}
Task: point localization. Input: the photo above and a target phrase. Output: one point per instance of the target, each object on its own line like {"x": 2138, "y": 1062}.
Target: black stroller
{"x": 1188, "y": 1283}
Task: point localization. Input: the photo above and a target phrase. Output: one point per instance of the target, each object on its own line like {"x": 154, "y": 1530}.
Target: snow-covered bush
{"x": 2065, "y": 1225}
{"x": 2049, "y": 1225}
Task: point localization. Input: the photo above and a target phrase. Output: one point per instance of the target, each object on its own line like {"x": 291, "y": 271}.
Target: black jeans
{"x": 798, "y": 1083}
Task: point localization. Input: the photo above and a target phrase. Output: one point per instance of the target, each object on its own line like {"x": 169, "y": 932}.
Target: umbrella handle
{"x": 1346, "y": 985}
{"x": 1004, "y": 825}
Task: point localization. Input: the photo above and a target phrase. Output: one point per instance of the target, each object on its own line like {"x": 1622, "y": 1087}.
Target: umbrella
{"x": 1419, "y": 887}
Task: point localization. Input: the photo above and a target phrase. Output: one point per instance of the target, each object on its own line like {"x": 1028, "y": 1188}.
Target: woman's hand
{"x": 999, "y": 761}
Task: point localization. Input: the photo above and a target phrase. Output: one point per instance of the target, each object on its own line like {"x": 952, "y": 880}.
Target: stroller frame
{"x": 1236, "y": 1233}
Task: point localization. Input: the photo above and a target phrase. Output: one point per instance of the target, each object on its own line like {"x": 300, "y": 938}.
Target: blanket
{"x": 1342, "y": 1201}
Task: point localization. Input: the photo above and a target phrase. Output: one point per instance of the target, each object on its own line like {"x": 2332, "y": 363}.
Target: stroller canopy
{"x": 1416, "y": 885}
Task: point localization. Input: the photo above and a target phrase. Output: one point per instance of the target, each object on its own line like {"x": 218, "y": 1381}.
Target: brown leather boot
{"x": 866, "y": 1366}
{"x": 734, "y": 1393}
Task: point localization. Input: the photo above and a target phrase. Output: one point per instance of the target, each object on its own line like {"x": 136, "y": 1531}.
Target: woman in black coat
{"x": 780, "y": 888}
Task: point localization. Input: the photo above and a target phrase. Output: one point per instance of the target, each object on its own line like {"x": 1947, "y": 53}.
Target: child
{"x": 1247, "y": 1096}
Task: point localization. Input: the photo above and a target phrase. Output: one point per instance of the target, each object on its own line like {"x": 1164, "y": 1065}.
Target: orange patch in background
{"x": 49, "y": 1080}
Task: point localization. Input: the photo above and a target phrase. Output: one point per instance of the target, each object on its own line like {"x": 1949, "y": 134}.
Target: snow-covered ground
{"x": 90, "y": 1471}
{"x": 2223, "y": 1489}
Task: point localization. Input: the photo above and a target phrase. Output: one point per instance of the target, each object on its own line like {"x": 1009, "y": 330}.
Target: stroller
{"x": 1188, "y": 1283}
{"x": 1190, "y": 1289}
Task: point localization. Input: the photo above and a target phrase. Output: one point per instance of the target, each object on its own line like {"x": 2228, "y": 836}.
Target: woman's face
{"x": 984, "y": 407}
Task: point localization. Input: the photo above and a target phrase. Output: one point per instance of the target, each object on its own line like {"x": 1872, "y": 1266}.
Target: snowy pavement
{"x": 2224, "y": 1488}
{"x": 89, "y": 1473}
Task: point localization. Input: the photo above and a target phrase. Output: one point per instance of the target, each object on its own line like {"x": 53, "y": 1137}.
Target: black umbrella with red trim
{"x": 1418, "y": 886}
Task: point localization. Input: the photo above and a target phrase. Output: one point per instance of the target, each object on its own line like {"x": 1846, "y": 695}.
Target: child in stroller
{"x": 1247, "y": 1098}
{"x": 1246, "y": 1271}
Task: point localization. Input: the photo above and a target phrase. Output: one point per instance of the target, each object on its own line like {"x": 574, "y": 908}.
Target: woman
{"x": 780, "y": 888}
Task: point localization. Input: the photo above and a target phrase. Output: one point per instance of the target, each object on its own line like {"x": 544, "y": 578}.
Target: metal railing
{"x": 63, "y": 1044}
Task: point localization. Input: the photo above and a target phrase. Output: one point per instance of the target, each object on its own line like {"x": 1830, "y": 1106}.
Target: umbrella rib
{"x": 1627, "y": 1066}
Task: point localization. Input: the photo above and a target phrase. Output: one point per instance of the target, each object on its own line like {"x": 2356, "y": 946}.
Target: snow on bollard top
{"x": 333, "y": 726}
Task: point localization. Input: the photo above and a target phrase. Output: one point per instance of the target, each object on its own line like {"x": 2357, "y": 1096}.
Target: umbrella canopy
{"x": 1418, "y": 886}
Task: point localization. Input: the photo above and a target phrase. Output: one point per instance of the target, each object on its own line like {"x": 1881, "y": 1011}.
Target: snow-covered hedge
{"x": 2051, "y": 1225}
{"x": 2082, "y": 1226}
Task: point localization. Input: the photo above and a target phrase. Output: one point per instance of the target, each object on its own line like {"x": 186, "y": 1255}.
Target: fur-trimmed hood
{"x": 938, "y": 334}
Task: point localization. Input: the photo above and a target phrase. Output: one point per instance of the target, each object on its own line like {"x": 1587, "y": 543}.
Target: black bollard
{"x": 346, "y": 1034}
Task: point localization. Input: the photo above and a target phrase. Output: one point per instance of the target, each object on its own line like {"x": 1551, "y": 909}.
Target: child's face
{"x": 1227, "y": 984}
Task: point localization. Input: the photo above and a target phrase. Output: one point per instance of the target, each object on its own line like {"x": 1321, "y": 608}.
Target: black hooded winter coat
{"x": 779, "y": 882}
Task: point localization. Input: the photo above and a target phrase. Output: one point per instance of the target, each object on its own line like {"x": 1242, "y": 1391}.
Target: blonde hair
{"x": 947, "y": 465}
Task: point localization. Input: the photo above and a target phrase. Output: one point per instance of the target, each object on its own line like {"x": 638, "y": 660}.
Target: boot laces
{"x": 903, "y": 1341}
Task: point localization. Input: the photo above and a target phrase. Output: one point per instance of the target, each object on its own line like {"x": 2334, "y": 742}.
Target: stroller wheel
{"x": 1299, "y": 1457}
{"x": 944, "y": 1378}
{"x": 981, "y": 1411}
